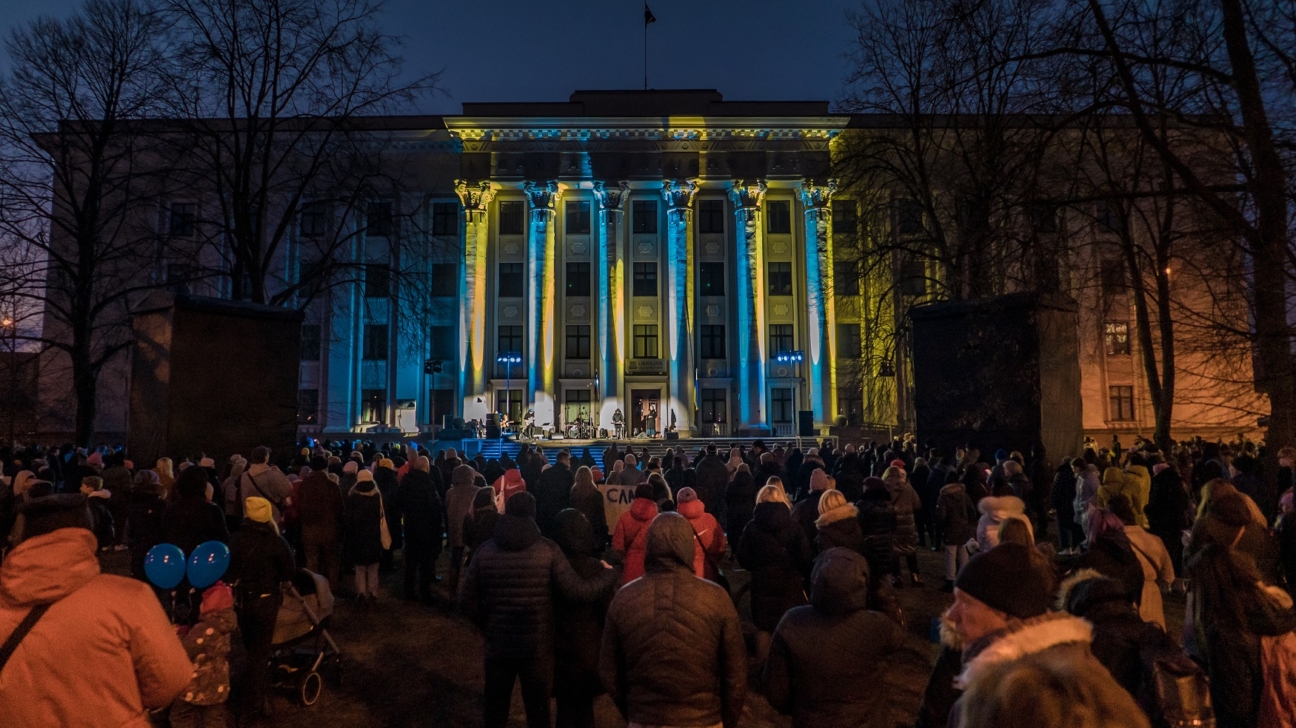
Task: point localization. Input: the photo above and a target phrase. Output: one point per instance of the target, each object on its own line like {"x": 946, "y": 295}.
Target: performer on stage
{"x": 618, "y": 422}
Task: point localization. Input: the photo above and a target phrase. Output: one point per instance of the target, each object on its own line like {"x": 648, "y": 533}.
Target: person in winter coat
{"x": 1158, "y": 571}
{"x": 202, "y": 702}
{"x": 509, "y": 592}
{"x": 231, "y": 500}
{"x": 553, "y": 492}
{"x": 458, "y": 504}
{"x": 99, "y": 501}
{"x": 1224, "y": 511}
{"x": 191, "y": 519}
{"x": 905, "y": 500}
{"x": 1138, "y": 486}
{"x": 710, "y": 539}
{"x": 630, "y": 537}
{"x": 994, "y": 509}
{"x": 260, "y": 563}
{"x": 263, "y": 480}
{"x": 422, "y": 514}
{"x": 1115, "y": 482}
{"x": 838, "y": 524}
{"x": 806, "y": 510}
{"x": 711, "y": 481}
{"x": 586, "y": 498}
{"x": 672, "y": 652}
{"x": 825, "y": 656}
{"x": 388, "y": 482}
{"x": 479, "y": 525}
{"x": 955, "y": 513}
{"x": 145, "y": 530}
{"x": 778, "y": 555}
{"x": 505, "y": 486}
{"x": 363, "y": 529}
{"x": 1070, "y": 534}
{"x": 1167, "y": 511}
{"x": 320, "y": 505}
{"x": 102, "y": 651}
{"x": 740, "y": 501}
{"x": 578, "y": 626}
{"x": 1109, "y": 553}
{"x": 877, "y": 523}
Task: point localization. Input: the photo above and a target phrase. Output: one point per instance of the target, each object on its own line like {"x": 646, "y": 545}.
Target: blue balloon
{"x": 164, "y": 565}
{"x": 208, "y": 563}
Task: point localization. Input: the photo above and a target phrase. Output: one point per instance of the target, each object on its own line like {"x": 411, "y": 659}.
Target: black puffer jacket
{"x": 877, "y": 522}
{"x": 190, "y": 521}
{"x": 740, "y": 502}
{"x": 552, "y": 493}
{"x": 1115, "y": 558}
{"x": 1119, "y": 633}
{"x": 589, "y": 501}
{"x": 806, "y": 512}
{"x": 777, "y": 553}
{"x": 578, "y": 625}
{"x": 510, "y": 587}
{"x": 385, "y": 479}
{"x": 363, "y": 530}
{"x": 672, "y": 649}
{"x": 419, "y": 505}
{"x": 260, "y": 559}
{"x": 827, "y": 659}
{"x": 710, "y": 481}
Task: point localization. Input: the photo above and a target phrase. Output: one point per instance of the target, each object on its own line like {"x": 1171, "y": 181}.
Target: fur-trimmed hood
{"x": 1002, "y": 506}
{"x": 840, "y": 513}
{"x": 1026, "y": 637}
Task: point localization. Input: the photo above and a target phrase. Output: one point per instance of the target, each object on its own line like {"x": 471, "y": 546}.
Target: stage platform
{"x": 656, "y": 446}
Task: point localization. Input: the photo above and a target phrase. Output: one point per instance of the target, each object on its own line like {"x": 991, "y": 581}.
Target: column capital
{"x": 474, "y": 196}
{"x": 679, "y": 193}
{"x": 543, "y": 196}
{"x": 817, "y": 197}
{"x": 611, "y": 199}
{"x": 747, "y": 195}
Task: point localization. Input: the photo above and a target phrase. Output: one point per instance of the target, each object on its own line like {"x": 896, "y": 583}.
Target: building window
{"x": 375, "y": 342}
{"x": 711, "y": 217}
{"x": 778, "y": 217}
{"x": 442, "y": 343}
{"x": 308, "y": 406}
{"x": 377, "y": 280}
{"x": 373, "y": 405}
{"x": 645, "y": 279}
{"x": 578, "y": 342}
{"x": 780, "y": 279}
{"x": 711, "y": 279}
{"x": 441, "y": 404}
{"x": 576, "y": 405}
{"x": 510, "y": 280}
{"x": 578, "y": 218}
{"x": 643, "y": 216}
{"x": 1108, "y": 216}
{"x": 850, "y": 344}
{"x": 850, "y": 404}
{"x": 909, "y": 217}
{"x": 1044, "y": 215}
{"x": 311, "y": 274}
{"x": 510, "y": 218}
{"x": 313, "y": 220}
{"x": 845, "y": 217}
{"x": 184, "y": 218}
{"x": 578, "y": 279}
{"x": 378, "y": 217}
{"x": 781, "y": 405}
{"x": 1116, "y": 337}
{"x": 1112, "y": 274}
{"x": 509, "y": 401}
{"x": 714, "y": 406}
{"x": 509, "y": 340}
{"x": 780, "y": 339}
{"x": 1122, "y": 403}
{"x": 445, "y": 218}
{"x": 178, "y": 277}
{"x": 846, "y": 279}
{"x": 445, "y": 280}
{"x": 913, "y": 278}
{"x": 645, "y": 341}
{"x": 713, "y": 341}
{"x": 310, "y": 342}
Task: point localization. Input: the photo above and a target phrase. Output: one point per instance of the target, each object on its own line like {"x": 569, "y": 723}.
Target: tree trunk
{"x": 85, "y": 388}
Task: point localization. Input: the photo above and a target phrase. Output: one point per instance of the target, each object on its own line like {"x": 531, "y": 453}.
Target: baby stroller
{"x": 301, "y": 644}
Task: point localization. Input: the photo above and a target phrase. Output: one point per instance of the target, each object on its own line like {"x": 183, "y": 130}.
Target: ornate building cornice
{"x": 747, "y": 195}
{"x": 679, "y": 193}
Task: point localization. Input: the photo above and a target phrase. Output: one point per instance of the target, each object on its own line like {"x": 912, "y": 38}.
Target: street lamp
{"x": 789, "y": 357}
{"x": 508, "y": 360}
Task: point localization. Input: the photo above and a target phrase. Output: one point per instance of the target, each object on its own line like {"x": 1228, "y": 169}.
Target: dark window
{"x": 909, "y": 217}
{"x": 711, "y": 216}
{"x": 849, "y": 341}
{"x": 509, "y": 341}
{"x": 913, "y": 278}
{"x": 379, "y": 218}
{"x": 780, "y": 339}
{"x": 578, "y": 279}
{"x": 441, "y": 404}
{"x": 711, "y": 279}
{"x": 1044, "y": 215}
{"x": 373, "y": 405}
{"x": 781, "y": 405}
{"x": 850, "y": 404}
{"x": 445, "y": 280}
{"x": 510, "y": 218}
{"x": 645, "y": 279}
{"x": 578, "y": 342}
{"x": 1112, "y": 273}
{"x": 846, "y": 279}
{"x": 509, "y": 401}
{"x": 643, "y": 216}
{"x": 1116, "y": 337}
{"x": 184, "y": 217}
{"x": 576, "y": 405}
{"x": 445, "y": 218}
{"x": 375, "y": 342}
{"x": 443, "y": 344}
{"x": 714, "y": 408}
{"x": 307, "y": 406}
{"x": 778, "y": 217}
{"x": 178, "y": 278}
{"x": 310, "y": 342}
{"x": 312, "y": 273}
{"x": 1122, "y": 403}
{"x": 780, "y": 279}
{"x": 377, "y": 280}
{"x": 1108, "y": 216}
{"x": 713, "y": 341}
{"x": 578, "y": 218}
{"x": 845, "y": 217}
{"x": 314, "y": 220}
{"x": 645, "y": 341}
{"x": 510, "y": 280}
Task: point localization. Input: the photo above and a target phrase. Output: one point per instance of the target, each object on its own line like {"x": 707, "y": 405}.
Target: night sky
{"x": 530, "y": 50}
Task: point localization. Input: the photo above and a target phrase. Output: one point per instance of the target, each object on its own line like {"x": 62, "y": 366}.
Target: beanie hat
{"x": 512, "y": 476}
{"x": 1231, "y": 510}
{"x": 49, "y": 513}
{"x": 1001, "y": 454}
{"x": 217, "y": 596}
{"x": 1004, "y": 579}
{"x": 385, "y": 463}
{"x": 206, "y": 463}
{"x": 258, "y": 509}
{"x": 463, "y": 475}
{"x": 364, "y": 476}
{"x": 95, "y": 459}
{"x": 686, "y": 495}
{"x": 644, "y": 490}
{"x": 350, "y": 467}
{"x": 819, "y": 480}
{"x": 522, "y": 505}
{"x": 898, "y": 463}
{"x": 830, "y": 500}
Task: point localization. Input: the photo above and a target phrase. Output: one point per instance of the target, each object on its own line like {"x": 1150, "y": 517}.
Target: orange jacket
{"x": 101, "y": 655}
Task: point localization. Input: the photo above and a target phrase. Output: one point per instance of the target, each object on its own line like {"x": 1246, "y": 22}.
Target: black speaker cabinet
{"x": 805, "y": 423}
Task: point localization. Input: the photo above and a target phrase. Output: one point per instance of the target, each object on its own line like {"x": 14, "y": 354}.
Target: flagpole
{"x": 645, "y": 53}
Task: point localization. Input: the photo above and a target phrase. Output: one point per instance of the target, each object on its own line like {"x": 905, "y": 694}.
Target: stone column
{"x": 747, "y": 198}
{"x": 609, "y": 271}
{"x": 820, "y": 321}
{"x": 680, "y": 313}
{"x": 541, "y": 297}
{"x": 473, "y": 344}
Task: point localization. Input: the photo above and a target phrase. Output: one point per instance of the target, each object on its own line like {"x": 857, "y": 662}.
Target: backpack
{"x": 1173, "y": 691}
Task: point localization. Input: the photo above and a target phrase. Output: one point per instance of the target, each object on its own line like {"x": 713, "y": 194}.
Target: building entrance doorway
{"x": 643, "y": 402}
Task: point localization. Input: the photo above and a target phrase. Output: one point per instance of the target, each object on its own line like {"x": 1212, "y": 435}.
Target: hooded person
{"x": 710, "y": 540}
{"x": 578, "y": 626}
{"x": 778, "y": 555}
{"x": 672, "y": 651}
{"x": 630, "y": 537}
{"x": 459, "y": 500}
{"x": 740, "y": 501}
{"x": 202, "y": 702}
{"x": 479, "y": 524}
{"x": 148, "y": 503}
{"x": 507, "y": 485}
{"x": 363, "y": 535}
{"x": 838, "y": 524}
{"x": 824, "y": 654}
{"x": 419, "y": 504}
{"x": 806, "y": 510}
{"x": 97, "y": 648}
{"x": 509, "y": 591}
{"x": 955, "y": 513}
{"x": 320, "y": 506}
{"x": 260, "y": 563}
{"x": 994, "y": 509}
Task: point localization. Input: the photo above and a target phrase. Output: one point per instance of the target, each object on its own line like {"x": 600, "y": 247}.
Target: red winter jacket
{"x": 631, "y": 537}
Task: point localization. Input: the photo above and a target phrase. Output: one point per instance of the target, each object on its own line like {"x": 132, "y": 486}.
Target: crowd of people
{"x": 1058, "y": 570}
